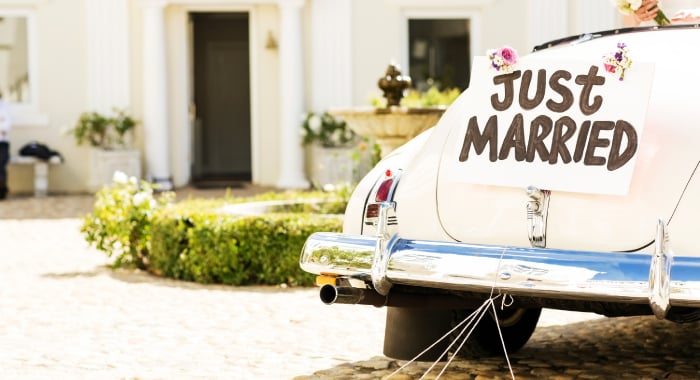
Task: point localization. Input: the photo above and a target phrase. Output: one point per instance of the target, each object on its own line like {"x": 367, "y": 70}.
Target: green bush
{"x": 207, "y": 247}
{"x": 120, "y": 223}
{"x": 200, "y": 240}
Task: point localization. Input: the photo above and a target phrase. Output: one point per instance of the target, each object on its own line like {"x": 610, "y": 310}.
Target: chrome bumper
{"x": 542, "y": 272}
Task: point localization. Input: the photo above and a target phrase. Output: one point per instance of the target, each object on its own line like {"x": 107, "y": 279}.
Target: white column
{"x": 331, "y": 54}
{"x": 548, "y": 21}
{"x": 155, "y": 110}
{"x": 107, "y": 35}
{"x": 291, "y": 96}
{"x": 593, "y": 16}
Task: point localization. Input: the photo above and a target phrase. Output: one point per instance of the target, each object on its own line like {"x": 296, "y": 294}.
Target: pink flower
{"x": 510, "y": 56}
{"x": 503, "y": 59}
{"x": 609, "y": 68}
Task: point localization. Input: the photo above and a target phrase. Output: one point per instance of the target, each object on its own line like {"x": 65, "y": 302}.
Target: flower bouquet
{"x": 503, "y": 59}
{"x": 618, "y": 61}
{"x": 628, "y": 7}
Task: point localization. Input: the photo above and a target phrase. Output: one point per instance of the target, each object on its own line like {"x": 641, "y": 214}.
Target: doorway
{"x": 221, "y": 83}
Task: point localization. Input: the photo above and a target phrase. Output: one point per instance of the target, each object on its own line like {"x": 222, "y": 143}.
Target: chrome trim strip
{"x": 546, "y": 272}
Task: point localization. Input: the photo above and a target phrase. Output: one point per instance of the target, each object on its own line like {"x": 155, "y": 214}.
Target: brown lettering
{"x": 479, "y": 140}
{"x": 567, "y": 97}
{"x": 581, "y": 140}
{"x": 507, "y": 81}
{"x": 514, "y": 139}
{"x": 559, "y": 139}
{"x": 588, "y": 81}
{"x": 525, "y": 101}
{"x": 616, "y": 159}
{"x": 540, "y": 128}
{"x": 595, "y": 141}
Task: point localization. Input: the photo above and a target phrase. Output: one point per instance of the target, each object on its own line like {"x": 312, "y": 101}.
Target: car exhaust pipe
{"x": 331, "y": 294}
{"x": 348, "y": 295}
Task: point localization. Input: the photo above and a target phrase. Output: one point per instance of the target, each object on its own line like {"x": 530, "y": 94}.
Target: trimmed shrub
{"x": 120, "y": 223}
{"x": 207, "y": 240}
{"x": 205, "y": 246}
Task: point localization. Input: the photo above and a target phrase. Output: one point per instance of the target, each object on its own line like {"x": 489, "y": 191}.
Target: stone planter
{"x": 334, "y": 166}
{"x": 103, "y": 164}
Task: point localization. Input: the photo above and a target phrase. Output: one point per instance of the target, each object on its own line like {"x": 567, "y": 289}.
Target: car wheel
{"x": 409, "y": 331}
{"x": 517, "y": 325}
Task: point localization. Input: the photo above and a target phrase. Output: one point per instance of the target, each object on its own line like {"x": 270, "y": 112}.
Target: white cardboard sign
{"x": 581, "y": 135}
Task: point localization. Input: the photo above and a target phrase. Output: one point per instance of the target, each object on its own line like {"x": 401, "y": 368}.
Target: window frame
{"x": 27, "y": 112}
{"x": 474, "y": 18}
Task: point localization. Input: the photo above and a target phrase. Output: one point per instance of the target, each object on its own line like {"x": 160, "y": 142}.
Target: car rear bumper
{"x": 660, "y": 279}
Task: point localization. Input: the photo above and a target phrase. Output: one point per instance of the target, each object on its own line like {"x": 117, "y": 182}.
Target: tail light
{"x": 372, "y": 211}
{"x": 384, "y": 188}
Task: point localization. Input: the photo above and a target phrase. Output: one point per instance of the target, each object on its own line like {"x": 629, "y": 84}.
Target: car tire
{"x": 409, "y": 331}
{"x": 517, "y": 325}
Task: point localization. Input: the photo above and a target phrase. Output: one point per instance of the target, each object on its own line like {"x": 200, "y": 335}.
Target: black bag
{"x": 35, "y": 149}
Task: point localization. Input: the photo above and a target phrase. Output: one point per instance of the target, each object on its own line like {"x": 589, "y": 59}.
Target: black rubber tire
{"x": 517, "y": 325}
{"x": 411, "y": 330}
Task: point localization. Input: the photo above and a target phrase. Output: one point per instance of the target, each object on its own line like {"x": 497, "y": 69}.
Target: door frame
{"x": 184, "y": 156}
{"x": 193, "y": 88}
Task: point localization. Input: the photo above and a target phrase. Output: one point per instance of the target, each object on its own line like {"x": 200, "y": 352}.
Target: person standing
{"x": 5, "y": 126}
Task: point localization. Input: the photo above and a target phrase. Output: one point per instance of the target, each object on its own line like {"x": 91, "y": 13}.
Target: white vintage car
{"x": 566, "y": 180}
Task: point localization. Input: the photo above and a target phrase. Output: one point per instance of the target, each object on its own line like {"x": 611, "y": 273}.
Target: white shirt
{"x": 5, "y": 121}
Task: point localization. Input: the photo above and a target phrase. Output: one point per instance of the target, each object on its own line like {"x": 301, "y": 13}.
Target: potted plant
{"x": 109, "y": 137}
{"x": 336, "y": 154}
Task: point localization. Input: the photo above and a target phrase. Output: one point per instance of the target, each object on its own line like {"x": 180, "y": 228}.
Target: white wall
{"x": 61, "y": 95}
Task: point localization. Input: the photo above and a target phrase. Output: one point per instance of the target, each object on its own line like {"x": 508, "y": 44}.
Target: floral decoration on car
{"x": 503, "y": 59}
{"x": 618, "y": 61}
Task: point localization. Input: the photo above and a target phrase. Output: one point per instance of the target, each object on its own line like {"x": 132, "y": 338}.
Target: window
{"x": 14, "y": 59}
{"x": 439, "y": 53}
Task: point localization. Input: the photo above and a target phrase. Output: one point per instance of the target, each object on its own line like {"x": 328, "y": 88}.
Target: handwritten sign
{"x": 556, "y": 125}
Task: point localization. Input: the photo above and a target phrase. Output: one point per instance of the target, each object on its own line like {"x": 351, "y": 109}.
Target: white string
{"x": 477, "y": 314}
{"x": 495, "y": 315}
{"x": 481, "y": 315}
{"x": 503, "y": 343}
{"x": 467, "y": 319}
{"x": 509, "y": 304}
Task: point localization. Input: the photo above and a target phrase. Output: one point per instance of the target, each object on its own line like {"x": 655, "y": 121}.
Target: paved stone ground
{"x": 64, "y": 315}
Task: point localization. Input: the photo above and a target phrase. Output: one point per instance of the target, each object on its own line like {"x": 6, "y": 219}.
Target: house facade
{"x": 220, "y": 86}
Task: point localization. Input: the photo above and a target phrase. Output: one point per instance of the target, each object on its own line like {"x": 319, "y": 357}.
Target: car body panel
{"x": 440, "y": 234}
{"x": 666, "y": 158}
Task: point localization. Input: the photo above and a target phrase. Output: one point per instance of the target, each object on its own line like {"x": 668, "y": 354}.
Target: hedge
{"x": 206, "y": 246}
{"x": 203, "y": 240}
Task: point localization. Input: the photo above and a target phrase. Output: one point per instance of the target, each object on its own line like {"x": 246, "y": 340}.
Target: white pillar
{"x": 548, "y": 21}
{"x": 155, "y": 110}
{"x": 593, "y": 16}
{"x": 291, "y": 96}
{"x": 107, "y": 35}
{"x": 331, "y": 54}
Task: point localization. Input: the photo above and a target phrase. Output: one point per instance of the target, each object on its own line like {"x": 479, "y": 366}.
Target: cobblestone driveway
{"x": 63, "y": 315}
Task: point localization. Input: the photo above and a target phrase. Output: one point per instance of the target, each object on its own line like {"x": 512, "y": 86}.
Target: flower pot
{"x": 331, "y": 166}
{"x": 103, "y": 164}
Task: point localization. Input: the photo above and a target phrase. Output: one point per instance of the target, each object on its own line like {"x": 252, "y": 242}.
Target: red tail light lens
{"x": 372, "y": 211}
{"x": 383, "y": 191}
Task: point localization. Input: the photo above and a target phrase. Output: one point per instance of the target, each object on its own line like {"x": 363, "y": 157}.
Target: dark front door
{"x": 222, "y": 143}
